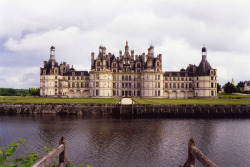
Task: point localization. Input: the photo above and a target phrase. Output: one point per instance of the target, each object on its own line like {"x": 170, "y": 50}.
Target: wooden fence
{"x": 195, "y": 153}
{"x": 50, "y": 156}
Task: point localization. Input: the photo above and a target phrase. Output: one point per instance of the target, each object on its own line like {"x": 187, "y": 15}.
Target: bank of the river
{"x": 138, "y": 109}
{"x": 158, "y": 101}
{"x": 31, "y": 99}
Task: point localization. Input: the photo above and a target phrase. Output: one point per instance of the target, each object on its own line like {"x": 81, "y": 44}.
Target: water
{"x": 104, "y": 141}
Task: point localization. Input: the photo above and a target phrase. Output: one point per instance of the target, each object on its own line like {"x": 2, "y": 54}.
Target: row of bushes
{"x": 19, "y": 92}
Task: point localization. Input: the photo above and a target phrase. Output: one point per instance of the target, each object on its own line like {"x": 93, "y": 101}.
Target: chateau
{"x": 127, "y": 75}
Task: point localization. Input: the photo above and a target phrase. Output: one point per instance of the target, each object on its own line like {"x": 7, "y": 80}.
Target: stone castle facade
{"x": 127, "y": 75}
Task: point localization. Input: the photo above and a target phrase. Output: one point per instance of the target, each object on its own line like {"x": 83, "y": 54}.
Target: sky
{"x": 178, "y": 29}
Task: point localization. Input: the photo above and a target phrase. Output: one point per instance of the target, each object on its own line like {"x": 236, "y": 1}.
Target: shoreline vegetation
{"x": 224, "y": 99}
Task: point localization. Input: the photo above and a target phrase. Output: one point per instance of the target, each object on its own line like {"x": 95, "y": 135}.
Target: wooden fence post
{"x": 62, "y": 155}
{"x": 191, "y": 159}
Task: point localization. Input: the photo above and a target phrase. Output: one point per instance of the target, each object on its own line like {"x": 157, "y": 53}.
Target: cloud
{"x": 176, "y": 28}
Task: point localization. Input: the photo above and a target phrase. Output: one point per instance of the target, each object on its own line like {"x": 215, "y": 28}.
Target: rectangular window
{"x": 97, "y": 84}
{"x": 212, "y": 93}
{"x": 138, "y": 85}
{"x": 159, "y": 84}
{"x": 68, "y": 78}
{"x": 159, "y": 77}
{"x": 123, "y": 77}
{"x": 113, "y": 85}
{"x": 174, "y": 78}
{"x": 129, "y": 85}
{"x": 86, "y": 85}
{"x": 130, "y": 78}
{"x": 82, "y": 85}
{"x": 212, "y": 78}
{"x": 97, "y": 76}
{"x": 55, "y": 77}
{"x": 55, "y": 82}
{"x": 178, "y": 85}
{"x": 114, "y": 77}
{"x": 156, "y": 93}
{"x": 166, "y": 85}
{"x": 73, "y": 84}
{"x": 126, "y": 85}
{"x": 122, "y": 85}
{"x": 117, "y": 85}
{"x": 166, "y": 78}
{"x": 77, "y": 85}
{"x": 170, "y": 85}
{"x": 159, "y": 93}
{"x": 155, "y": 77}
{"x": 73, "y": 78}
{"x": 182, "y": 85}
{"x": 138, "y": 93}
{"x": 190, "y": 85}
{"x": 174, "y": 85}
{"x": 212, "y": 85}
{"x": 197, "y": 85}
{"x": 182, "y": 78}
{"x": 97, "y": 93}
{"x": 77, "y": 78}
{"x": 113, "y": 93}
{"x": 68, "y": 84}
{"x": 118, "y": 93}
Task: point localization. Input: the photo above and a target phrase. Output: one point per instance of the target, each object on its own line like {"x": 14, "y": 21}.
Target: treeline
{"x": 19, "y": 92}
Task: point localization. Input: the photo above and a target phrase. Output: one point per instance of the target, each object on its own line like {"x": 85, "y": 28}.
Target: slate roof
{"x": 203, "y": 69}
{"x": 175, "y": 73}
{"x": 77, "y": 73}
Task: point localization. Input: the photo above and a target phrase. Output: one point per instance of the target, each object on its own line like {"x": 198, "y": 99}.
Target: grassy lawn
{"x": 193, "y": 101}
{"x": 18, "y": 99}
{"x": 232, "y": 95}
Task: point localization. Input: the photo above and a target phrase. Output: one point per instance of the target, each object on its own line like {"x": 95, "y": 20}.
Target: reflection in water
{"x": 106, "y": 141}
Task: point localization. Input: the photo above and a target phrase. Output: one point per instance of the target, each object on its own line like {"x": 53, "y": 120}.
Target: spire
{"x": 204, "y": 52}
{"x": 52, "y": 52}
{"x": 126, "y": 48}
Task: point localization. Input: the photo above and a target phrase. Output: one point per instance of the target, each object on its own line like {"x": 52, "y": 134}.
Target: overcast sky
{"x": 177, "y": 29}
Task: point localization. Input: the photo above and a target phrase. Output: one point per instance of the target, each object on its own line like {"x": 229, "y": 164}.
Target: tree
{"x": 240, "y": 84}
{"x": 218, "y": 87}
{"x": 34, "y": 91}
{"x": 229, "y": 88}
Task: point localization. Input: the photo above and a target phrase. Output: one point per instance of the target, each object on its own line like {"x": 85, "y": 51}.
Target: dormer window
{"x": 44, "y": 72}
{"x": 73, "y": 73}
{"x": 82, "y": 73}
{"x": 178, "y": 74}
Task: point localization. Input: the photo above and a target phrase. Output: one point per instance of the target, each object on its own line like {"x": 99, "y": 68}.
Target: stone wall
{"x": 86, "y": 109}
{"x": 193, "y": 110}
{"x": 138, "y": 109}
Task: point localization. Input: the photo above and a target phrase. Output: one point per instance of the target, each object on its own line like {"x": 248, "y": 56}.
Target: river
{"x": 104, "y": 141}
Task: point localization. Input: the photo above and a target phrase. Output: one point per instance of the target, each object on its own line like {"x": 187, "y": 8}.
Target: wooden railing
{"x": 195, "y": 153}
{"x": 50, "y": 156}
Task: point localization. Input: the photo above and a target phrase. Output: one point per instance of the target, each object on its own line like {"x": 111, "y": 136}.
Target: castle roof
{"x": 203, "y": 69}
